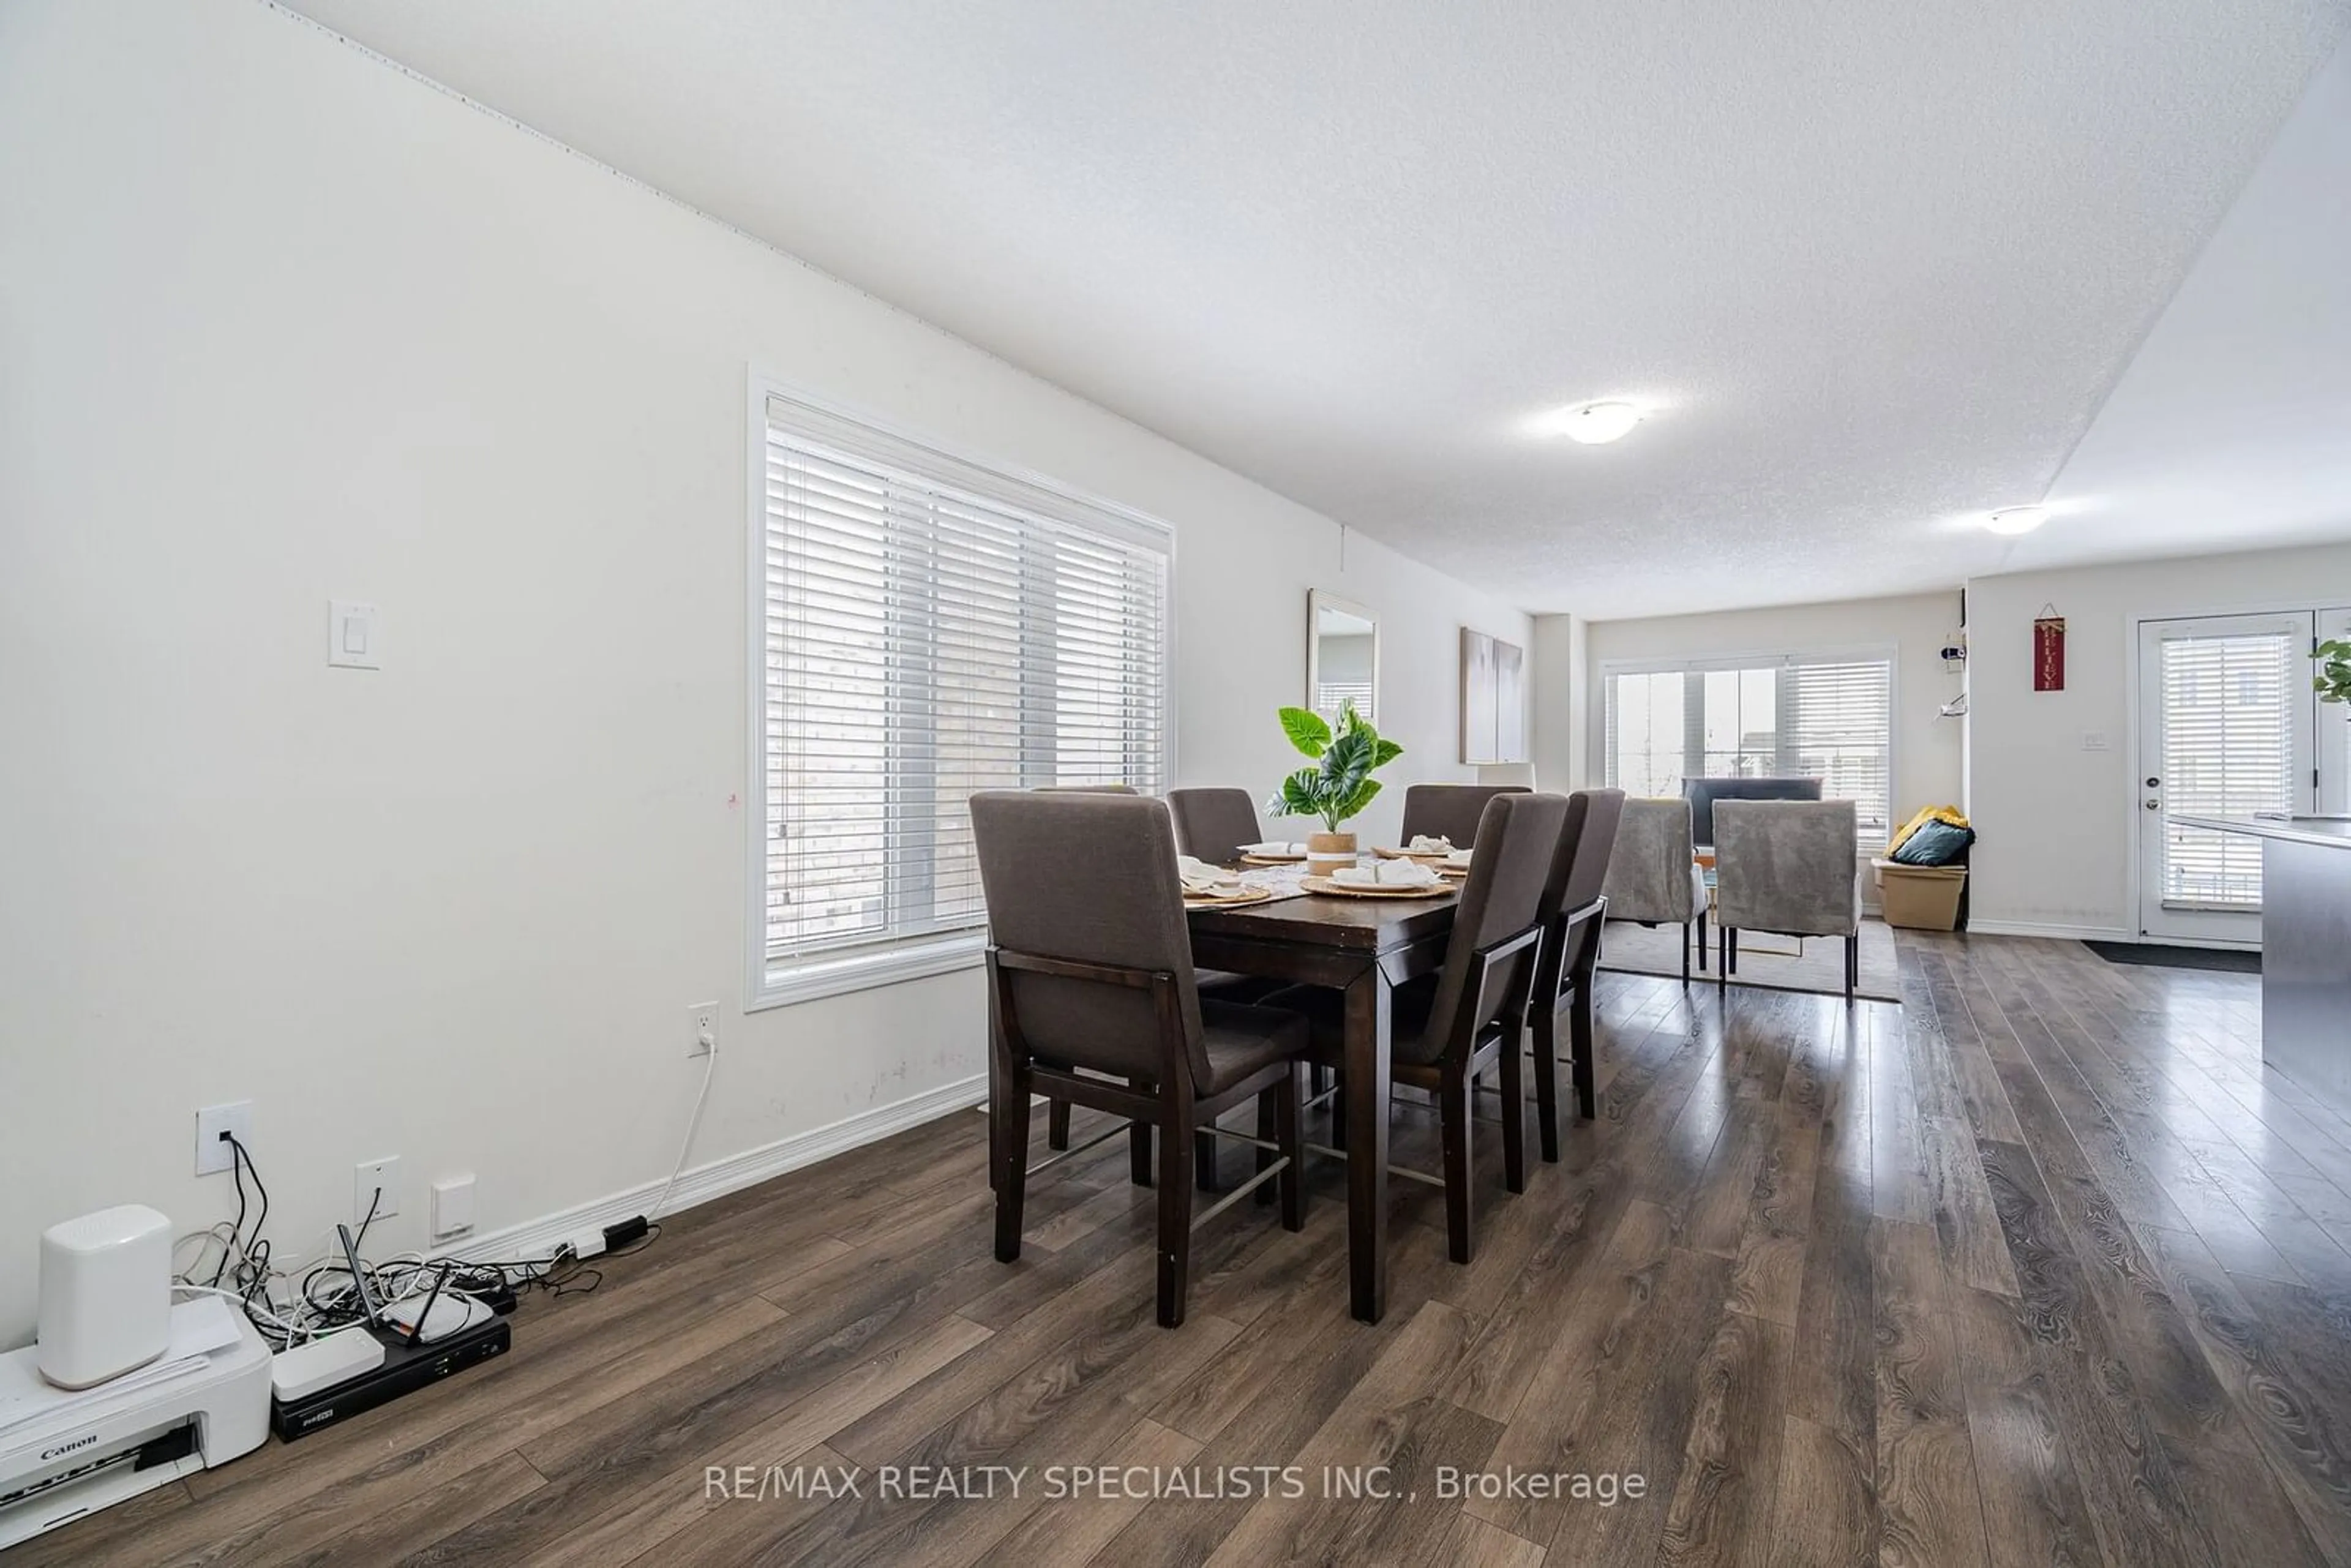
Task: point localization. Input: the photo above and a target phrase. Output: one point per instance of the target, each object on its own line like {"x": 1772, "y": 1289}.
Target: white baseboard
{"x": 2056, "y": 932}
{"x": 540, "y": 1238}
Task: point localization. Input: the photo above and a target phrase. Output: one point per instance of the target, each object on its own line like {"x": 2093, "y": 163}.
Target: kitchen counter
{"x": 2306, "y": 946}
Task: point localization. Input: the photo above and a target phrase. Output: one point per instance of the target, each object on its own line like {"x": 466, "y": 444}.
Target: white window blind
{"x": 2228, "y": 750}
{"x": 1794, "y": 717}
{"x": 930, "y": 629}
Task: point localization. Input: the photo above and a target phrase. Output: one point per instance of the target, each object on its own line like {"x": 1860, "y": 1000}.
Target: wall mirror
{"x": 1343, "y": 655}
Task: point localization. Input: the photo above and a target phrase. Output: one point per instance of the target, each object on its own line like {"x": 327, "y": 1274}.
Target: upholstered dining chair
{"x": 1213, "y": 824}
{"x": 1788, "y": 867}
{"x": 1653, "y": 876}
{"x": 1090, "y": 982}
{"x": 1453, "y": 811}
{"x": 1471, "y": 1017}
{"x": 1573, "y": 909}
{"x": 1086, "y": 790}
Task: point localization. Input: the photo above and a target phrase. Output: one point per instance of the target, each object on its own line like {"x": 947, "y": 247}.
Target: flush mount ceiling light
{"x": 2014, "y": 520}
{"x": 1596, "y": 423}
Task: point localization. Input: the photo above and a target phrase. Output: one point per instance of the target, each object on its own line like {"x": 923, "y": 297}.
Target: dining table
{"x": 1362, "y": 949}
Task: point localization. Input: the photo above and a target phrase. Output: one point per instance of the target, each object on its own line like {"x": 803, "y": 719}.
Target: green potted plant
{"x": 2334, "y": 679}
{"x": 1337, "y": 785}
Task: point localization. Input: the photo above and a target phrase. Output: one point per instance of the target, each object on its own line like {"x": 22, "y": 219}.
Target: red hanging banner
{"x": 2048, "y": 650}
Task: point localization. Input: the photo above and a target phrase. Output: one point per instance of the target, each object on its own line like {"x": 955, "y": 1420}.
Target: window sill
{"x": 785, "y": 982}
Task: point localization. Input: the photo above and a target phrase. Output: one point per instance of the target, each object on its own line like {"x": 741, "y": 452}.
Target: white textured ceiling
{"x": 1880, "y": 263}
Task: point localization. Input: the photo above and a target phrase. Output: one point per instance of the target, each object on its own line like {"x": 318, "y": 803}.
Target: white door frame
{"x": 2215, "y": 928}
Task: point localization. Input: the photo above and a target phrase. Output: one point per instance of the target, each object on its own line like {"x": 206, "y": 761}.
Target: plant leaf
{"x": 1386, "y": 752}
{"x": 1306, "y": 730}
{"x": 1360, "y": 798}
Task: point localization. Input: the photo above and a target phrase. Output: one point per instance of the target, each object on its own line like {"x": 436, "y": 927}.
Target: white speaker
{"x": 106, "y": 1295}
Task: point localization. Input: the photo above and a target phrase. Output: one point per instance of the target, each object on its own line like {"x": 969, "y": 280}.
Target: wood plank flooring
{"x": 2040, "y": 1266}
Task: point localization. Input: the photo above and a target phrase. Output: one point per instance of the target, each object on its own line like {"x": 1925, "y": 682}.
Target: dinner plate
{"x": 1340, "y": 890}
{"x": 1271, "y": 859}
{"x": 1410, "y": 854}
{"x": 1221, "y": 900}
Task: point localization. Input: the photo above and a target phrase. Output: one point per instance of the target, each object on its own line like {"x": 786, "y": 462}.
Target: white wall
{"x": 1926, "y": 768}
{"x": 281, "y": 324}
{"x": 2057, "y": 822}
{"x": 1558, "y": 677}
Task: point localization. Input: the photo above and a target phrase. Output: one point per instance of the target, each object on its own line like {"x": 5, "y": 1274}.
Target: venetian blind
{"x": 933, "y": 629}
{"x": 2228, "y": 750}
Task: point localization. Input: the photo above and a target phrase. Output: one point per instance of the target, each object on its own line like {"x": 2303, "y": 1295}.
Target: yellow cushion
{"x": 1950, "y": 814}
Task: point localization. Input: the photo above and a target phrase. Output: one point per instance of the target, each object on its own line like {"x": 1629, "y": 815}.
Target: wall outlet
{"x": 702, "y": 1028}
{"x": 372, "y": 1175}
{"x": 453, "y": 1206}
{"x": 213, "y": 1151}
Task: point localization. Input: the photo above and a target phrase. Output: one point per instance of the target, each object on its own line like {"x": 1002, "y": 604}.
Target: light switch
{"x": 352, "y": 642}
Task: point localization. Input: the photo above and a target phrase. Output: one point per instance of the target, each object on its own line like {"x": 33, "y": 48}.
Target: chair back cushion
{"x": 1086, "y": 790}
{"x": 1586, "y": 844}
{"x": 1088, "y": 877}
{"x": 1450, "y": 811}
{"x": 1213, "y": 824}
{"x": 1788, "y": 866}
{"x": 1647, "y": 876}
{"x": 1517, "y": 839}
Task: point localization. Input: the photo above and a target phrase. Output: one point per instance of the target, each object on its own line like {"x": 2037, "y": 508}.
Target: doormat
{"x": 2228, "y": 960}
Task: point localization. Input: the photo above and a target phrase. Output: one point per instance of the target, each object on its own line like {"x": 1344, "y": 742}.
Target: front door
{"x": 2227, "y": 727}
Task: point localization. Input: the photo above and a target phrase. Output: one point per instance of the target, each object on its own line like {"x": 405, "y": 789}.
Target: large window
{"x": 1794, "y": 717}
{"x": 928, "y": 628}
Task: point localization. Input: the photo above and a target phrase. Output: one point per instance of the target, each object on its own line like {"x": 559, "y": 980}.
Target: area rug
{"x": 1775, "y": 963}
{"x": 2228, "y": 960}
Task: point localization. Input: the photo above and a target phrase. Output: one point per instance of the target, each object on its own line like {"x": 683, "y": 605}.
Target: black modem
{"x": 409, "y": 1362}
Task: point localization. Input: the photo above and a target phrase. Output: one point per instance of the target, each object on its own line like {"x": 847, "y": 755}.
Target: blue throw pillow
{"x": 1936, "y": 843}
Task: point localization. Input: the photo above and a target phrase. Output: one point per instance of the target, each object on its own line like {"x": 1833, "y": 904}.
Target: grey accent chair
{"x": 1086, "y": 790}
{"x": 1791, "y": 868}
{"x": 1575, "y": 909}
{"x": 1455, "y": 812}
{"x": 1091, "y": 986}
{"x": 1472, "y": 1019}
{"x": 1653, "y": 877}
{"x": 1213, "y": 824}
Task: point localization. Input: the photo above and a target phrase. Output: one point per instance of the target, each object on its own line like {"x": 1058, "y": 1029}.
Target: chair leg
{"x": 1584, "y": 1063}
{"x": 1701, "y": 936}
{"x": 1008, "y": 1153}
{"x": 1733, "y": 966}
{"x": 1686, "y": 953}
{"x": 1722, "y": 956}
{"x": 1546, "y": 1033}
{"x": 1852, "y": 965}
{"x": 1138, "y": 1146}
{"x": 1057, "y": 1123}
{"x": 1339, "y": 1110}
{"x": 1204, "y": 1163}
{"x": 1454, "y": 1100}
{"x": 1514, "y": 1117}
{"x": 1269, "y": 1126}
{"x": 1287, "y": 1133}
{"x": 1175, "y": 1223}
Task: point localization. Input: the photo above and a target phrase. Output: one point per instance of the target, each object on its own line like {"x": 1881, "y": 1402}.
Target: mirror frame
{"x": 1317, "y": 601}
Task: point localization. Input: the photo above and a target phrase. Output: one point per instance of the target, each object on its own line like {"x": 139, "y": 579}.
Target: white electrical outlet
{"x": 213, "y": 1151}
{"x": 453, "y": 1206}
{"x": 702, "y": 1028}
{"x": 376, "y": 1176}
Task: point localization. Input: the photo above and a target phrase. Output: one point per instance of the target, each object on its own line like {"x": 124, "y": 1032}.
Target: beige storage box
{"x": 1922, "y": 897}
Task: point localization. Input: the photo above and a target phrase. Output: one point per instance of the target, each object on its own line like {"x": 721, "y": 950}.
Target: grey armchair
{"x": 1450, "y": 811}
{"x": 1653, "y": 878}
{"x": 1788, "y": 867}
{"x": 1213, "y": 824}
{"x": 1089, "y": 980}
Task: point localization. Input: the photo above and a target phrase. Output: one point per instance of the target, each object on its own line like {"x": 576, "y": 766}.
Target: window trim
{"x": 1891, "y": 653}
{"x": 765, "y": 983}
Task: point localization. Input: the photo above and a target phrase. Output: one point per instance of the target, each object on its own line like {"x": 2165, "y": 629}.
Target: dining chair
{"x": 1790, "y": 868}
{"x": 1086, "y": 790}
{"x": 1091, "y": 983}
{"x": 1653, "y": 876}
{"x": 1573, "y": 913}
{"x": 1213, "y": 824}
{"x": 1471, "y": 1017}
{"x": 1454, "y": 811}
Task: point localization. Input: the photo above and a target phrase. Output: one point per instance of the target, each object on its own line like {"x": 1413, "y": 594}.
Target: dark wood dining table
{"x": 1362, "y": 949}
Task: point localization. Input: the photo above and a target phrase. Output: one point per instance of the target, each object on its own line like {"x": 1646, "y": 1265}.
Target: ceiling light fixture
{"x": 1596, "y": 423}
{"x": 2013, "y": 520}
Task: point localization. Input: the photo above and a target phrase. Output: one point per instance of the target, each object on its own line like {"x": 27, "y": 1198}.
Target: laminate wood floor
{"x": 2038, "y": 1267}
